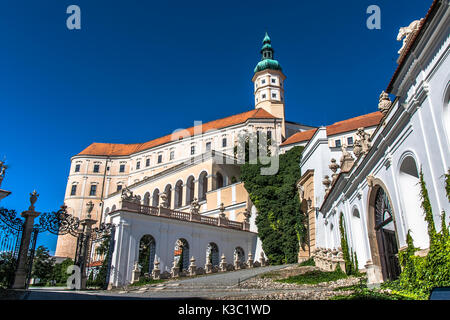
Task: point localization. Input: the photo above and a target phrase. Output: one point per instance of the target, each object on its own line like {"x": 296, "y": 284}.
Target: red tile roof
{"x": 115, "y": 149}
{"x": 299, "y": 137}
{"x": 367, "y": 120}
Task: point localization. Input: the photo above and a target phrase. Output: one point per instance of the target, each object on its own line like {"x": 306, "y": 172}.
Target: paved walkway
{"x": 213, "y": 286}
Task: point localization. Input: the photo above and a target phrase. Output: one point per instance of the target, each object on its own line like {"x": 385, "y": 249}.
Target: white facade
{"x": 131, "y": 227}
{"x": 413, "y": 135}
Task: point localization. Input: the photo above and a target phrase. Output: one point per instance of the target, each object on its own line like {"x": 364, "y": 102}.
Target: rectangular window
{"x": 122, "y": 168}
{"x": 273, "y": 80}
{"x": 224, "y": 142}
{"x": 77, "y": 168}
{"x": 263, "y": 96}
{"x": 172, "y": 155}
{"x": 93, "y": 190}
{"x": 147, "y": 162}
{"x": 350, "y": 141}
{"x": 192, "y": 150}
{"x": 263, "y": 81}
{"x": 138, "y": 165}
{"x": 274, "y": 95}
{"x": 269, "y": 135}
{"x": 74, "y": 190}
{"x": 208, "y": 146}
{"x": 119, "y": 187}
{"x": 337, "y": 143}
{"x": 159, "y": 158}
{"x": 96, "y": 167}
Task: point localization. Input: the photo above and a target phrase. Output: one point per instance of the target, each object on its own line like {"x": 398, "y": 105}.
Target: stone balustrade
{"x": 185, "y": 216}
{"x": 327, "y": 259}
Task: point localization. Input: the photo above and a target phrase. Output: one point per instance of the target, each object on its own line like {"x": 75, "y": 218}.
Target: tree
{"x": 60, "y": 274}
{"x": 43, "y": 265}
{"x": 280, "y": 222}
{"x": 7, "y": 268}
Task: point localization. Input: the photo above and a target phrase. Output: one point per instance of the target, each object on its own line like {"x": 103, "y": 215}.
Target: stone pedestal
{"x": 175, "y": 271}
{"x": 374, "y": 274}
{"x": 262, "y": 260}
{"x": 135, "y": 276}
{"x": 250, "y": 260}
{"x": 192, "y": 267}
{"x": 156, "y": 272}
{"x": 223, "y": 264}
{"x": 208, "y": 267}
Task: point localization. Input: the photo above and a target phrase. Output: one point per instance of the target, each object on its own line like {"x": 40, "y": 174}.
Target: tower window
{"x": 73, "y": 191}
{"x": 263, "y": 81}
{"x": 263, "y": 96}
{"x": 192, "y": 150}
{"x": 224, "y": 142}
{"x": 273, "y": 80}
{"x": 77, "y": 168}
{"x": 122, "y": 168}
{"x": 274, "y": 95}
{"x": 138, "y": 165}
{"x": 208, "y": 146}
{"x": 147, "y": 162}
{"x": 159, "y": 158}
{"x": 172, "y": 155}
{"x": 96, "y": 168}
{"x": 93, "y": 190}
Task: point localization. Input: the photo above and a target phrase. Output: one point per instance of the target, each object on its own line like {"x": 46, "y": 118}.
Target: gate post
{"x": 82, "y": 259}
{"x": 20, "y": 276}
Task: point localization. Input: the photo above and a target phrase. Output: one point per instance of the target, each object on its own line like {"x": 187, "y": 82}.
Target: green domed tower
{"x": 268, "y": 80}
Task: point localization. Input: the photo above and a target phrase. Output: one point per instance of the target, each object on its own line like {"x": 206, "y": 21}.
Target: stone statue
{"x": 127, "y": 195}
{"x": 164, "y": 199}
{"x": 346, "y": 159}
{"x": 33, "y": 198}
{"x": 326, "y": 182}
{"x": 363, "y": 142}
{"x": 357, "y": 148}
{"x": 222, "y": 210}
{"x": 334, "y": 167}
{"x": 247, "y": 214}
{"x": 384, "y": 103}
{"x": 195, "y": 207}
{"x": 407, "y": 33}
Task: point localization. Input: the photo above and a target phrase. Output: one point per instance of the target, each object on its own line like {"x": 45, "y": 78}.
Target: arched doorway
{"x": 181, "y": 254}
{"x": 239, "y": 253}
{"x": 385, "y": 235}
{"x": 212, "y": 252}
{"x": 147, "y": 250}
{"x": 146, "y": 199}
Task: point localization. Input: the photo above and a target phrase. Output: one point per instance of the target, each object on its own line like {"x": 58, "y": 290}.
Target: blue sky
{"x": 138, "y": 70}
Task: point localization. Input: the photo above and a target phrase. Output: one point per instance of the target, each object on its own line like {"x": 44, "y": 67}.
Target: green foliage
{"x": 368, "y": 294}
{"x": 315, "y": 277}
{"x": 309, "y": 262}
{"x": 43, "y": 265}
{"x": 447, "y": 184}
{"x": 421, "y": 274}
{"x": 350, "y": 259}
{"x": 7, "y": 267}
{"x": 100, "y": 279}
{"x": 60, "y": 274}
{"x": 144, "y": 281}
{"x": 281, "y": 224}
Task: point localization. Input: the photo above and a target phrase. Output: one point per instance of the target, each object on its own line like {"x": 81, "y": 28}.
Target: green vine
{"x": 350, "y": 259}
{"x": 421, "y": 274}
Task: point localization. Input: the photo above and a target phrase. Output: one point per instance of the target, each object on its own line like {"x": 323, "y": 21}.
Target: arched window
{"x": 410, "y": 193}
{"x": 155, "y": 198}
{"x": 219, "y": 180}
{"x": 189, "y": 190}
{"x": 202, "y": 186}
{"x": 446, "y": 115}
{"x": 212, "y": 252}
{"x": 147, "y": 249}
{"x": 178, "y": 194}
{"x": 114, "y": 208}
{"x": 168, "y": 191}
{"x": 181, "y": 254}
{"x": 146, "y": 199}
